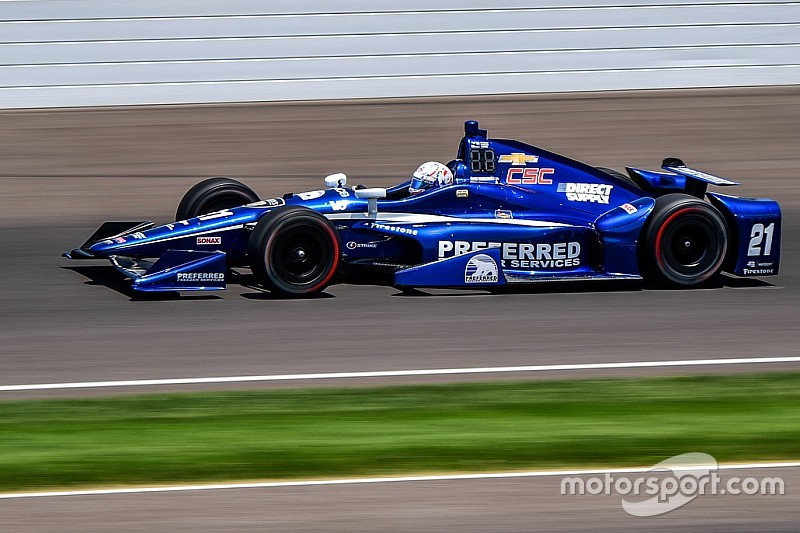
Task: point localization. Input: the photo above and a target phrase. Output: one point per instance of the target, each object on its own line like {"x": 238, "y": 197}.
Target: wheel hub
{"x": 299, "y": 254}
{"x": 691, "y": 247}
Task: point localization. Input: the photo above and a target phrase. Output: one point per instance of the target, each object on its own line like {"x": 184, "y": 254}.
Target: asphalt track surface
{"x": 77, "y": 321}
{"x": 511, "y": 504}
{"x": 63, "y": 172}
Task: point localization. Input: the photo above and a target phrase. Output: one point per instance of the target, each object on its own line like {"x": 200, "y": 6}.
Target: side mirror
{"x": 370, "y": 193}
{"x": 336, "y": 180}
{"x": 372, "y": 196}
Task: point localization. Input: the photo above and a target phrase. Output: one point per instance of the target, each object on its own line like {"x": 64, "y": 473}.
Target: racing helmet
{"x": 429, "y": 175}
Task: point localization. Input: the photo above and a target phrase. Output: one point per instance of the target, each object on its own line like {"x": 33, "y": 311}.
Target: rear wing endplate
{"x": 673, "y": 164}
{"x": 696, "y": 181}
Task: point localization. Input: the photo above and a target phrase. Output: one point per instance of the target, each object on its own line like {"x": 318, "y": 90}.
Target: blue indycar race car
{"x": 510, "y": 213}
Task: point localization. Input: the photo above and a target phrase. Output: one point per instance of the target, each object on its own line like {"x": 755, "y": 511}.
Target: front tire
{"x": 214, "y": 194}
{"x": 294, "y": 251}
{"x": 684, "y": 243}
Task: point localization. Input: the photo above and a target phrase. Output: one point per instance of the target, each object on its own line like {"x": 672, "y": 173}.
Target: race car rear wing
{"x": 679, "y": 178}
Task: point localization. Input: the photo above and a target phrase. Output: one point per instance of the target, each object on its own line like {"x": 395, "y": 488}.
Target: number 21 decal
{"x": 758, "y": 235}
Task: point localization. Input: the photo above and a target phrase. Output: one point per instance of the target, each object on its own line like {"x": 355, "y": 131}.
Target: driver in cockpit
{"x": 430, "y": 175}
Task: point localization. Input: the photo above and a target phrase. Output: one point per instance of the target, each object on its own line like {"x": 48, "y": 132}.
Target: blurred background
{"x": 356, "y": 78}
{"x": 62, "y": 53}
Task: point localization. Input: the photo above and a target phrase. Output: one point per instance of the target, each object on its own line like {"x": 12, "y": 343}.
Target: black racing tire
{"x": 684, "y": 243}
{"x": 294, "y": 251}
{"x": 214, "y": 194}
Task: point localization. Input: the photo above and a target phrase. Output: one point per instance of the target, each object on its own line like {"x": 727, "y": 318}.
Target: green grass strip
{"x": 316, "y": 433}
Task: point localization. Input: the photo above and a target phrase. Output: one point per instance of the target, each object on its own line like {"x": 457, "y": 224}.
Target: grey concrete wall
{"x": 57, "y": 53}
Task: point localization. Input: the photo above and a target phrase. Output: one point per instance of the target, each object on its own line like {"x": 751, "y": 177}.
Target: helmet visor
{"x": 418, "y": 185}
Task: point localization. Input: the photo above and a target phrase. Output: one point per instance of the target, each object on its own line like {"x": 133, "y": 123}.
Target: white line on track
{"x": 398, "y": 373}
{"x": 367, "y": 480}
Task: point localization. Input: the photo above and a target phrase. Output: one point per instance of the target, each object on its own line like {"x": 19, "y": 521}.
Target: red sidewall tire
{"x": 294, "y": 251}
{"x": 684, "y": 243}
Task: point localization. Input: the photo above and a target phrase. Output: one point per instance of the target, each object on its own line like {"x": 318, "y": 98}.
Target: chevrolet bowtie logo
{"x": 518, "y": 159}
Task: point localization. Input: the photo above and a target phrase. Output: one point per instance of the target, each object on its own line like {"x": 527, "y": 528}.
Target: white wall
{"x": 56, "y": 53}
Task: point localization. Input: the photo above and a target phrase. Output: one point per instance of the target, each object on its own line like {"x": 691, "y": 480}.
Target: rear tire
{"x": 294, "y": 251}
{"x": 684, "y": 243}
{"x": 214, "y": 194}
